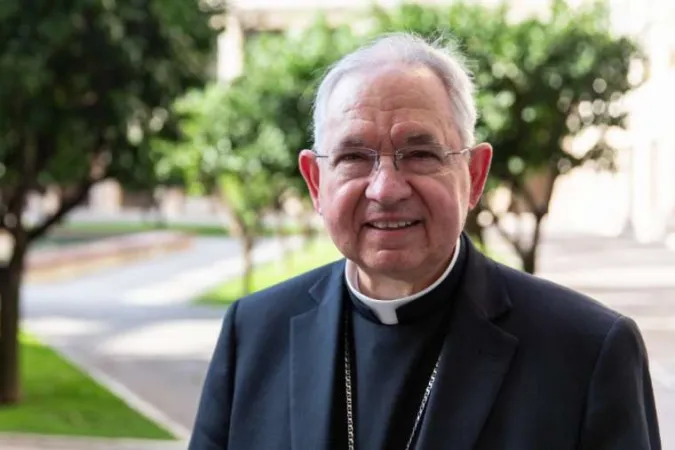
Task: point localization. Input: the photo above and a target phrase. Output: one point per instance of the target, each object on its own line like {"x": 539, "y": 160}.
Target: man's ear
{"x": 309, "y": 168}
{"x": 479, "y": 168}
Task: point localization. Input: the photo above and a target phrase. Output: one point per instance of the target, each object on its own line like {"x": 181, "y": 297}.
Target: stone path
{"x": 133, "y": 328}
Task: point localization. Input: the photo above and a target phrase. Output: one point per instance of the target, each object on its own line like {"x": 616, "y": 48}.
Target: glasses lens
{"x": 422, "y": 160}
{"x": 353, "y": 162}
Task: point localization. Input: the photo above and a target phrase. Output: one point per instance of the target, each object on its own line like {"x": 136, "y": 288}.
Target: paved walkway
{"x": 134, "y": 330}
{"x": 28, "y": 442}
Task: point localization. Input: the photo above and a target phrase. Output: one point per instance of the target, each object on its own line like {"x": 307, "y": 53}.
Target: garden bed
{"x": 56, "y": 262}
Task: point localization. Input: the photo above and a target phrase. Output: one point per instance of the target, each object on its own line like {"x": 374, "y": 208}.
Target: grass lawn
{"x": 59, "y": 399}
{"x": 110, "y": 228}
{"x": 320, "y": 252}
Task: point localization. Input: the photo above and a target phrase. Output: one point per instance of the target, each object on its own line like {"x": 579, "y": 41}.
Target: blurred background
{"x": 148, "y": 178}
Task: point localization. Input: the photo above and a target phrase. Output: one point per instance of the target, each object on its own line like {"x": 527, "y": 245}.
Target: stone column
{"x": 231, "y": 50}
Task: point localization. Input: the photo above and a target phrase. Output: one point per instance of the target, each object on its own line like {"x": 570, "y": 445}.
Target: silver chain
{"x": 348, "y": 394}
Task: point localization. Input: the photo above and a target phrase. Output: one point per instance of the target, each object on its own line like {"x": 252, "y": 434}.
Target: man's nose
{"x": 388, "y": 185}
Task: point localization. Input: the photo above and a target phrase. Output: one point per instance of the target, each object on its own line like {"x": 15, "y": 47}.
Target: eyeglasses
{"x": 427, "y": 160}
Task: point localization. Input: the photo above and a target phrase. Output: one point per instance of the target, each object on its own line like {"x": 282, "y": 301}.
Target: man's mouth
{"x": 392, "y": 225}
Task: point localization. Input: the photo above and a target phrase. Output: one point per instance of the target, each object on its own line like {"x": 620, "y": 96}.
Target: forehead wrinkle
{"x": 398, "y": 129}
{"x": 404, "y": 102}
{"x": 340, "y": 130}
{"x": 433, "y": 129}
{"x": 372, "y": 110}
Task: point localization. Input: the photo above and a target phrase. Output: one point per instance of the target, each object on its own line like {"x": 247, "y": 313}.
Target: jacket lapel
{"x": 475, "y": 357}
{"x": 314, "y": 343}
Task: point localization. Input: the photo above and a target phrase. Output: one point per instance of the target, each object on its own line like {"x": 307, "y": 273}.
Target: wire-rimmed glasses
{"x": 359, "y": 162}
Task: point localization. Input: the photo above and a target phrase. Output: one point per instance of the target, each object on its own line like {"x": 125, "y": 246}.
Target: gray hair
{"x": 408, "y": 49}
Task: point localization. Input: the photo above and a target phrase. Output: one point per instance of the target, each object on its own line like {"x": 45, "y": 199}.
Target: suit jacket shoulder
{"x": 554, "y": 309}
{"x": 274, "y": 306}
{"x": 584, "y": 357}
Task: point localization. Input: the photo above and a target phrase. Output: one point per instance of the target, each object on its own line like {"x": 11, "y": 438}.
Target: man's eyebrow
{"x": 421, "y": 139}
{"x": 351, "y": 141}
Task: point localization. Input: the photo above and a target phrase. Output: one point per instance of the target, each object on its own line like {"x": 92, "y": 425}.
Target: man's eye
{"x": 422, "y": 155}
{"x": 352, "y": 157}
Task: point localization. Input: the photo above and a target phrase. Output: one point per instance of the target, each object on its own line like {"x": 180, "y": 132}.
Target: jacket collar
{"x": 475, "y": 357}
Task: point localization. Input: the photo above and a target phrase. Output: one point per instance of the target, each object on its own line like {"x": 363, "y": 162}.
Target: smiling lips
{"x": 392, "y": 224}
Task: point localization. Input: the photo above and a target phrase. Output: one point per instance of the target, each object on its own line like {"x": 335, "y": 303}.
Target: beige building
{"x": 639, "y": 199}
{"x": 650, "y": 165}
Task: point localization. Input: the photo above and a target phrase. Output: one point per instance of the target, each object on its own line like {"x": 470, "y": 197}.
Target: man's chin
{"x": 394, "y": 262}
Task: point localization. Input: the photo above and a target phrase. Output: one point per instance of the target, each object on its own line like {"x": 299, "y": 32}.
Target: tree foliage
{"x": 84, "y": 86}
{"x": 226, "y": 150}
{"x": 284, "y": 72}
{"x": 541, "y": 83}
{"x": 241, "y": 138}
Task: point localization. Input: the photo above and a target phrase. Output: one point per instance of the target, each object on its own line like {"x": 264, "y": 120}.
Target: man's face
{"x": 385, "y": 110}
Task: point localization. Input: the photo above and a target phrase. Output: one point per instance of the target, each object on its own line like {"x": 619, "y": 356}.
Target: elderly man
{"x": 416, "y": 340}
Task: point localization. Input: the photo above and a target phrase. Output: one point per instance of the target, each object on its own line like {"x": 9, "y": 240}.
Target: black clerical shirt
{"x": 391, "y": 366}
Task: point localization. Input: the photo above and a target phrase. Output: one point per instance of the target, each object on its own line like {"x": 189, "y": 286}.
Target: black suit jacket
{"x": 526, "y": 364}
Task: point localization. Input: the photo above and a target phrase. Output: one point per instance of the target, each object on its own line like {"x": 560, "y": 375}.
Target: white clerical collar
{"x": 385, "y": 310}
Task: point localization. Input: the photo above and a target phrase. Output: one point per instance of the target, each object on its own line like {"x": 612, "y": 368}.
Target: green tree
{"x": 282, "y": 72}
{"x": 540, "y": 84}
{"x": 241, "y": 138}
{"x": 228, "y": 151}
{"x": 84, "y": 86}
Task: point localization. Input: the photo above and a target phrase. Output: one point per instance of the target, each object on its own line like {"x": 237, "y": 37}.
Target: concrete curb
{"x": 49, "y": 442}
{"x": 133, "y": 400}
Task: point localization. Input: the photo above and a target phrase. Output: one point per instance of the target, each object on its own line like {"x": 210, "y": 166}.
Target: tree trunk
{"x": 473, "y": 228}
{"x": 159, "y": 217}
{"x": 247, "y": 281}
{"x": 308, "y": 231}
{"x": 529, "y": 260}
{"x": 529, "y": 257}
{"x": 10, "y": 285}
{"x": 284, "y": 242}
{"x": 246, "y": 235}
